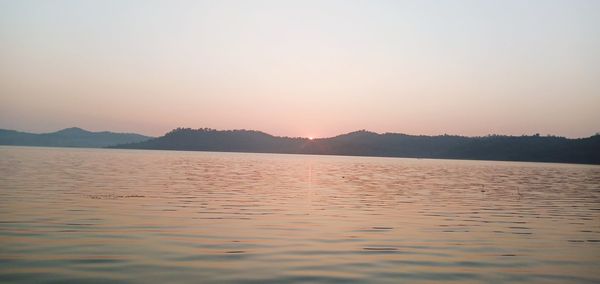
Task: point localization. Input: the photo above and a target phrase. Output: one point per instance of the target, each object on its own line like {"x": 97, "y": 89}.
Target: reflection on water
{"x": 158, "y": 216}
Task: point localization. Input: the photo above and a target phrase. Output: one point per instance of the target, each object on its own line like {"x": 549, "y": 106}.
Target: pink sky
{"x": 305, "y": 68}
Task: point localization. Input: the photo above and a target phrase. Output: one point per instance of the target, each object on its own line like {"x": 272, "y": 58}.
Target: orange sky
{"x": 302, "y": 68}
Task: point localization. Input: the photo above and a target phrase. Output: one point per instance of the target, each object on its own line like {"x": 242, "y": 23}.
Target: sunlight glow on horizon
{"x": 289, "y": 68}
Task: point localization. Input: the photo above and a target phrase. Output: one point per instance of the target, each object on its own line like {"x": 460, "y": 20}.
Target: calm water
{"x": 93, "y": 215}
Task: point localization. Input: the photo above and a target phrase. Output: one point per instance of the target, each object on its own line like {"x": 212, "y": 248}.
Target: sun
{"x": 310, "y": 138}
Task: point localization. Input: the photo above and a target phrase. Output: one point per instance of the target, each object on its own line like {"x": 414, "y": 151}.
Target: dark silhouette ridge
{"x": 69, "y": 137}
{"x": 533, "y": 148}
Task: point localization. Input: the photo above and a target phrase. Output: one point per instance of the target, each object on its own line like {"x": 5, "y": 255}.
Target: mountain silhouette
{"x": 533, "y": 148}
{"x": 69, "y": 137}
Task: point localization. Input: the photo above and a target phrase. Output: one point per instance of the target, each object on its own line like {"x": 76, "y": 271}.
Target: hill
{"x": 69, "y": 137}
{"x": 533, "y": 148}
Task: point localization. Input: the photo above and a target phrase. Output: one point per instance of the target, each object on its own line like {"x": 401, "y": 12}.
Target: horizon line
{"x": 310, "y": 138}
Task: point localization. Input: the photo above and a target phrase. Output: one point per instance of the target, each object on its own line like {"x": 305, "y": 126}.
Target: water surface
{"x": 130, "y": 216}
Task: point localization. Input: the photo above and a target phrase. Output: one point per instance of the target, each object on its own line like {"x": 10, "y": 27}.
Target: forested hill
{"x": 364, "y": 143}
{"x": 68, "y": 137}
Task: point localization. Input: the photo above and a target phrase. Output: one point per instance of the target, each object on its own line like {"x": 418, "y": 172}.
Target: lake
{"x": 133, "y": 216}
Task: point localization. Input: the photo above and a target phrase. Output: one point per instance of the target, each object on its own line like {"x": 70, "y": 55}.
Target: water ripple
{"x": 94, "y": 215}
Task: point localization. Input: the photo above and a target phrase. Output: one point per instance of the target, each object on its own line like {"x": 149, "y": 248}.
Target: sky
{"x": 302, "y": 68}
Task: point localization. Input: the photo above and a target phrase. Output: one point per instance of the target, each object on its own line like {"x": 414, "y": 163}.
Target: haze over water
{"x": 131, "y": 216}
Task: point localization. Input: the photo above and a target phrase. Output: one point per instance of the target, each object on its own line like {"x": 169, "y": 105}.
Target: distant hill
{"x": 69, "y": 137}
{"x": 364, "y": 143}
